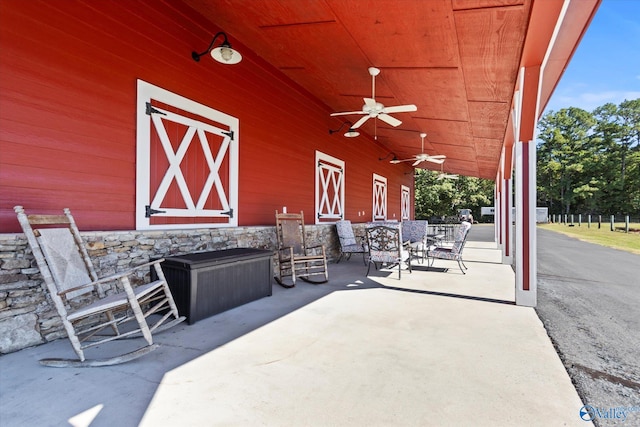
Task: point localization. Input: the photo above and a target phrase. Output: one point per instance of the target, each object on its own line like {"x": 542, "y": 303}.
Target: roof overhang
{"x": 458, "y": 60}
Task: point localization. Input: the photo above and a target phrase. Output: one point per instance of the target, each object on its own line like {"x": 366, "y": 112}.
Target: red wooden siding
{"x": 68, "y": 114}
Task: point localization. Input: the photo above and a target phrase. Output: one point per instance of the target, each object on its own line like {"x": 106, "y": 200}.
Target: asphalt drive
{"x": 589, "y": 302}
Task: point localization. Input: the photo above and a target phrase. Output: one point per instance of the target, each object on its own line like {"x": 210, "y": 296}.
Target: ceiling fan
{"x": 443, "y": 175}
{"x": 422, "y": 157}
{"x": 372, "y": 108}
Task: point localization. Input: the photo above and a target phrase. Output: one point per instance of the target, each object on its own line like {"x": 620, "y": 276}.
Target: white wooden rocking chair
{"x": 87, "y": 305}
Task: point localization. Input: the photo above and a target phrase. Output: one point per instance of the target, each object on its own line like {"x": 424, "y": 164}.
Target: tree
{"x": 589, "y": 162}
{"x": 619, "y": 128}
{"x": 438, "y": 198}
{"x": 565, "y": 144}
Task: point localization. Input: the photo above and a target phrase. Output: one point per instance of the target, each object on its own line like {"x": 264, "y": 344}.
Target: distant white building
{"x": 542, "y": 214}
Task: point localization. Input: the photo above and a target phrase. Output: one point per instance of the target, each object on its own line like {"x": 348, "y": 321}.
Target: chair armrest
{"x": 77, "y": 288}
{"x": 314, "y": 248}
{"x": 128, "y": 272}
{"x": 112, "y": 277}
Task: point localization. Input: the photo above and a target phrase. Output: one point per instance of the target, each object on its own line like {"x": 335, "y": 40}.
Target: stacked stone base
{"x": 27, "y": 315}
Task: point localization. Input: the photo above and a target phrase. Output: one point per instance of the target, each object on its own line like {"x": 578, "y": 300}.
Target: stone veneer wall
{"x": 27, "y": 315}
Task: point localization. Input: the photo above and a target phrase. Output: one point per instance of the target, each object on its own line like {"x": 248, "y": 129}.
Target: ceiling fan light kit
{"x": 422, "y": 157}
{"x": 443, "y": 175}
{"x": 374, "y": 109}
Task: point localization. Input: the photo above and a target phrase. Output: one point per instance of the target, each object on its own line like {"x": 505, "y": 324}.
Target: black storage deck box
{"x": 208, "y": 283}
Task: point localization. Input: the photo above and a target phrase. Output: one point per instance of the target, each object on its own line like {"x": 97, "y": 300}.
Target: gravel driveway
{"x": 589, "y": 302}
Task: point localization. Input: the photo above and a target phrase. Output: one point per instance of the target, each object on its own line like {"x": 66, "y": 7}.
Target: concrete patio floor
{"x": 433, "y": 349}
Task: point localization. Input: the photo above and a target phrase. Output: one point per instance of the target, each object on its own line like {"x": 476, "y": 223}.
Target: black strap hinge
{"x": 148, "y": 211}
{"x": 229, "y": 212}
{"x": 150, "y": 110}
{"x": 229, "y": 134}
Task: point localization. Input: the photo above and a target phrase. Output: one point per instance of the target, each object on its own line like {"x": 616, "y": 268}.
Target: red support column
{"x": 525, "y": 166}
{"x": 504, "y": 216}
{"x": 497, "y": 221}
{"x": 507, "y": 221}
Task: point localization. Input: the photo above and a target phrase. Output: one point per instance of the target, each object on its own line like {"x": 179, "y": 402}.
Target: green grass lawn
{"x": 604, "y": 236}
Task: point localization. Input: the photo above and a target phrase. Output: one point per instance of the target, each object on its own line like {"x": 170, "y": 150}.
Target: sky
{"x": 606, "y": 65}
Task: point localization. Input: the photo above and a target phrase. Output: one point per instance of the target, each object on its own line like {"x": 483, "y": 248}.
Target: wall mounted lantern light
{"x": 223, "y": 53}
{"x": 387, "y": 156}
{"x": 351, "y": 133}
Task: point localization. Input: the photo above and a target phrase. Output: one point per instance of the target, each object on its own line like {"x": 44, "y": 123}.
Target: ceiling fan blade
{"x": 400, "y": 161}
{"x": 370, "y": 102}
{"x": 359, "y": 123}
{"x": 432, "y": 160}
{"x": 447, "y": 175}
{"x": 400, "y": 108}
{"x": 390, "y": 120}
{"x": 417, "y": 162}
{"x": 438, "y": 156}
{"x": 347, "y": 113}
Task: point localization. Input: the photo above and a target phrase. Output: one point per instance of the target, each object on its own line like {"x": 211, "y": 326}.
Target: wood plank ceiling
{"x": 457, "y": 60}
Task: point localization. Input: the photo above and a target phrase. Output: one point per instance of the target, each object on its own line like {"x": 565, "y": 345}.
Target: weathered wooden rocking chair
{"x": 89, "y": 306}
{"x": 295, "y": 258}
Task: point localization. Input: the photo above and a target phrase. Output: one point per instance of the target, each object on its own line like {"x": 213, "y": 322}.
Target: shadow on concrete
{"x": 449, "y": 295}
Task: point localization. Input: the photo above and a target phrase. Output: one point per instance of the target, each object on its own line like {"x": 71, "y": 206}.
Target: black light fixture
{"x": 351, "y": 133}
{"x": 223, "y": 53}
{"x": 387, "y": 156}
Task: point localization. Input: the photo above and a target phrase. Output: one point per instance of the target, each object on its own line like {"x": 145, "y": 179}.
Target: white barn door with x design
{"x": 329, "y": 188}
{"x": 187, "y": 163}
{"x": 405, "y": 202}
{"x": 379, "y": 197}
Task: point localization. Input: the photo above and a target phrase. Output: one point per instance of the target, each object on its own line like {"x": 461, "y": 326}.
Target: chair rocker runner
{"x": 295, "y": 258}
{"x": 90, "y": 307}
{"x": 453, "y": 253}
